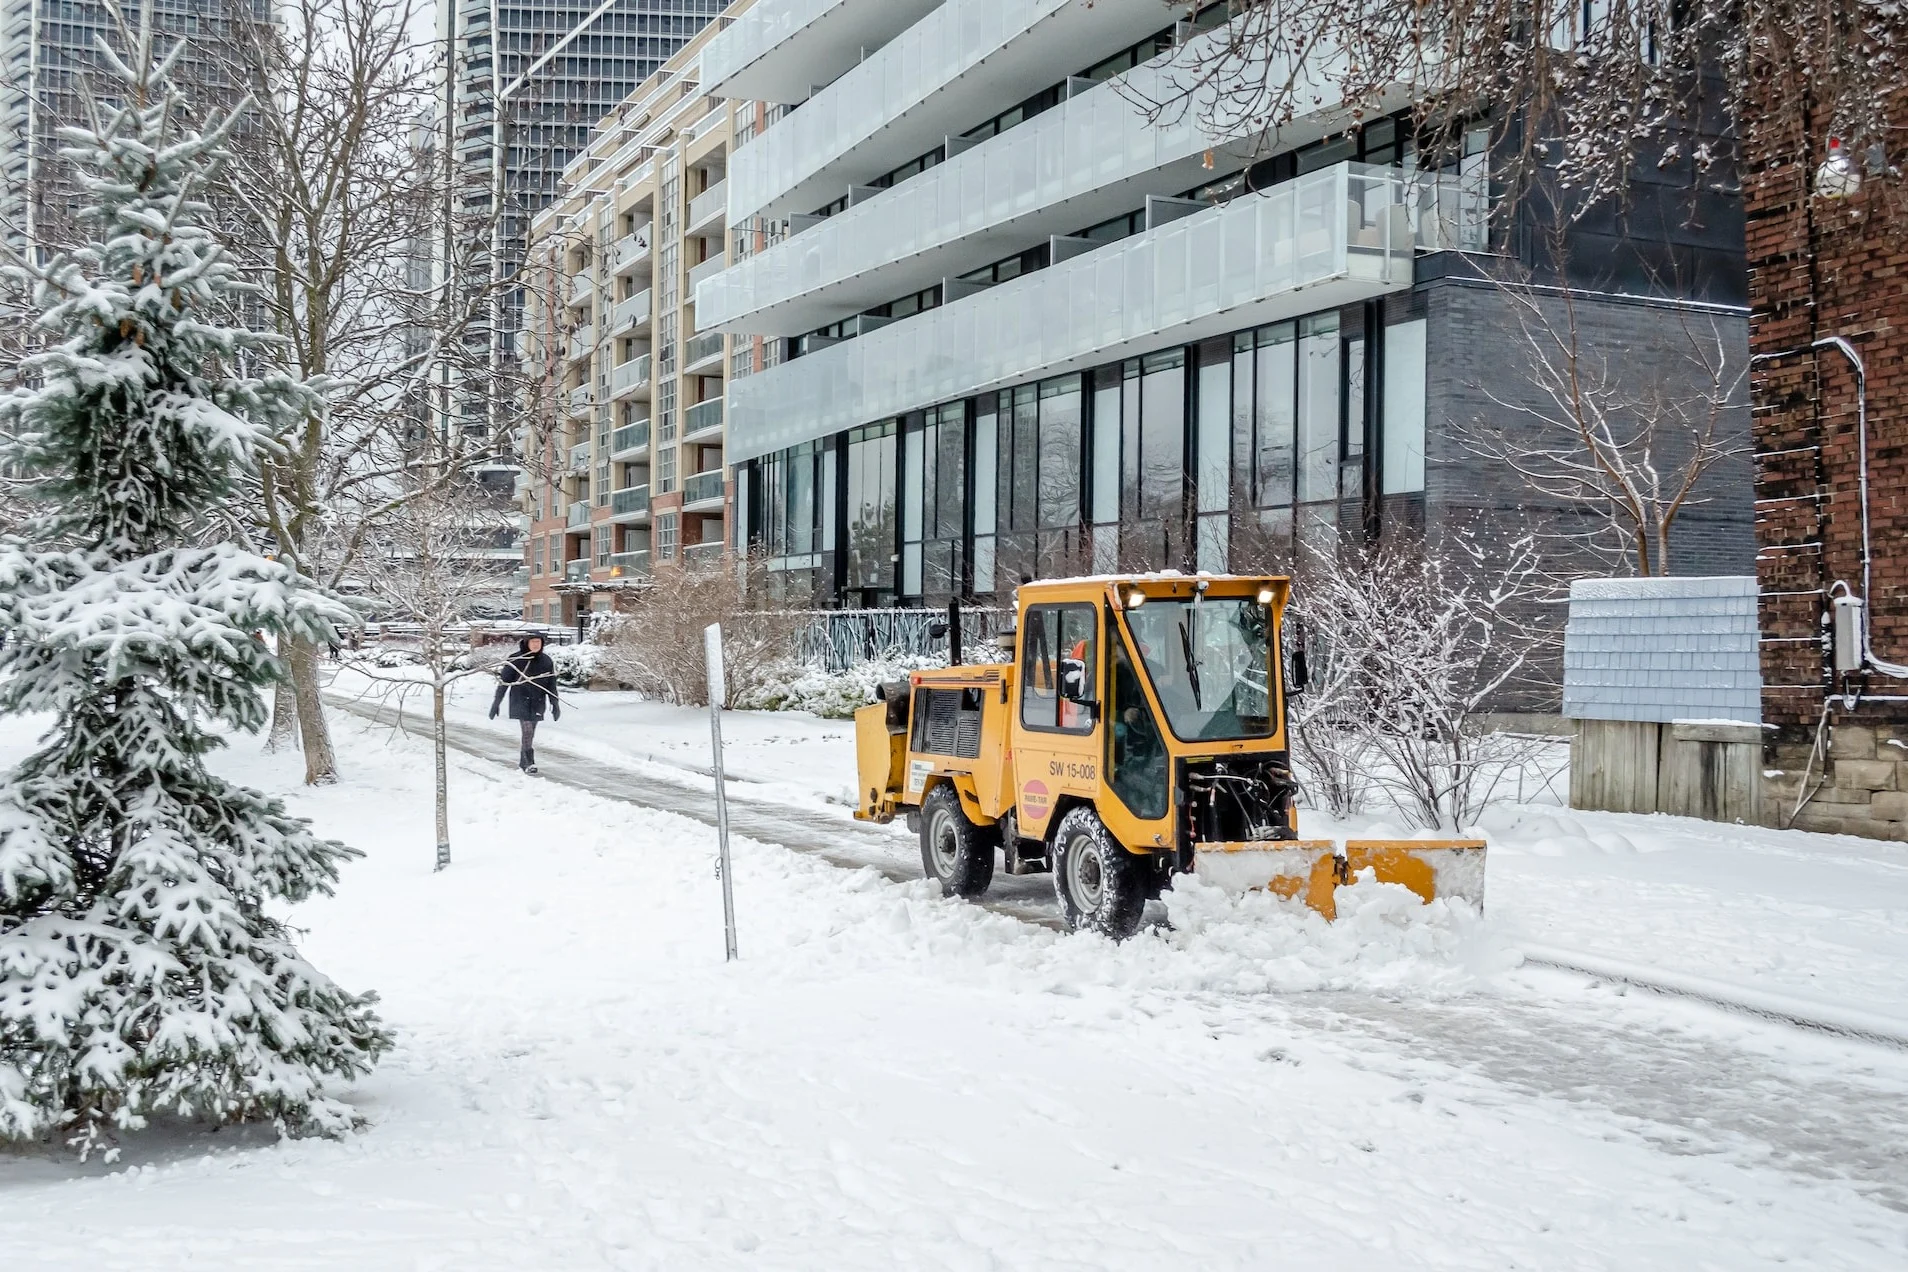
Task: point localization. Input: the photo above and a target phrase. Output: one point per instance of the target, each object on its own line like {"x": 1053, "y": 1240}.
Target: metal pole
{"x": 712, "y": 652}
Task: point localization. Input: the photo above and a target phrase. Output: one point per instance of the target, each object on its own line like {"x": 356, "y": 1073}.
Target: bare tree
{"x": 1416, "y": 642}
{"x": 656, "y": 643}
{"x": 1592, "y": 89}
{"x": 1628, "y": 451}
{"x": 423, "y": 570}
{"x": 337, "y": 205}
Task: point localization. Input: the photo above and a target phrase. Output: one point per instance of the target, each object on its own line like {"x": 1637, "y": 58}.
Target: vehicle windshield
{"x": 1210, "y": 664}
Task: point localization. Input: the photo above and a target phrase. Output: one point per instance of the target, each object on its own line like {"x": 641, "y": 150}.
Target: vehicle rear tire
{"x": 955, "y": 852}
{"x": 1101, "y": 886}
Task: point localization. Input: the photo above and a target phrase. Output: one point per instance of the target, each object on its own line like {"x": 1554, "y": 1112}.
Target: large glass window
{"x": 1318, "y": 418}
{"x": 1060, "y": 464}
{"x": 1213, "y": 455}
{"x": 1105, "y": 510}
{"x": 871, "y": 507}
{"x": 1059, "y": 668}
{"x": 1210, "y": 663}
{"x": 1275, "y": 416}
{"x": 1136, "y": 750}
{"x": 986, "y": 465}
{"x": 1403, "y": 450}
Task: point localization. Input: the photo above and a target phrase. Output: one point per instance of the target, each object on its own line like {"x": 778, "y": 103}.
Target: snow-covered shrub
{"x": 655, "y": 644}
{"x": 143, "y": 965}
{"x": 577, "y": 665}
{"x": 834, "y": 695}
{"x": 397, "y": 657}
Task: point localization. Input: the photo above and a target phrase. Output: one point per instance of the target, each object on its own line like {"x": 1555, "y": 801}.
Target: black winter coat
{"x": 530, "y": 680}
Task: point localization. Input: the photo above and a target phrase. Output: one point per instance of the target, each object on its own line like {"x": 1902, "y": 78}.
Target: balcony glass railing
{"x": 630, "y": 375}
{"x": 628, "y": 565}
{"x": 707, "y": 550}
{"x": 700, "y": 349}
{"x": 702, "y": 417}
{"x": 629, "y": 502}
{"x": 580, "y": 458}
{"x": 576, "y": 571}
{"x": 579, "y": 513}
{"x": 1333, "y": 237}
{"x": 708, "y": 269}
{"x": 710, "y": 205}
{"x": 580, "y": 400}
{"x": 879, "y": 113}
{"x": 630, "y": 437}
{"x": 632, "y": 312}
{"x": 582, "y": 289}
{"x": 753, "y": 44}
{"x": 583, "y": 341}
{"x": 631, "y": 250}
{"x": 702, "y": 487}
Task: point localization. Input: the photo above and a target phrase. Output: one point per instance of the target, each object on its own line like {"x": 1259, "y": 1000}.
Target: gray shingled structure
{"x": 1662, "y": 650}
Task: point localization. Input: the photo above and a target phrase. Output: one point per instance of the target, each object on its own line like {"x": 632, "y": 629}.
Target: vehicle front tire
{"x": 1101, "y": 886}
{"x": 955, "y": 852}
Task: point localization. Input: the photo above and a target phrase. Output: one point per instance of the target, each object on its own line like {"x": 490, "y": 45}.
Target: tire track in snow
{"x": 1688, "y": 1091}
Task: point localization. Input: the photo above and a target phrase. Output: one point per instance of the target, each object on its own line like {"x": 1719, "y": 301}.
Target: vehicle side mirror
{"x": 1301, "y": 674}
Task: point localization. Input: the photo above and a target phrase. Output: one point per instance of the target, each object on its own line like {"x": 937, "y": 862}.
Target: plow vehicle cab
{"x": 1138, "y": 731}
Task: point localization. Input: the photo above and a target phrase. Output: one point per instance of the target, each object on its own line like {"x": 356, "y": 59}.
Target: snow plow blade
{"x": 1313, "y": 869}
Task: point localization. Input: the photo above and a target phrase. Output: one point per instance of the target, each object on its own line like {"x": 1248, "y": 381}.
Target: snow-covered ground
{"x": 1815, "y": 918}
{"x": 888, "y": 1080}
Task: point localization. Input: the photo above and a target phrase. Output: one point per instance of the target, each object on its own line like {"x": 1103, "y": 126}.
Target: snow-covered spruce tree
{"x": 140, "y": 970}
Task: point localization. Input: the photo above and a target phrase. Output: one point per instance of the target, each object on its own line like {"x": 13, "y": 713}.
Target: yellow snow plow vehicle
{"x": 1139, "y": 731}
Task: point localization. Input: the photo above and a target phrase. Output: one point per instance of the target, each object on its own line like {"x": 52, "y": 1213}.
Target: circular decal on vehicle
{"x": 1034, "y": 800}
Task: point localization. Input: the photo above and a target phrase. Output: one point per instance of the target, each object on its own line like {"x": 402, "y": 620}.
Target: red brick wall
{"x": 1826, "y": 267}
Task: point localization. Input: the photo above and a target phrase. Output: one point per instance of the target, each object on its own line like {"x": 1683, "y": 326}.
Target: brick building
{"x": 1826, "y": 268}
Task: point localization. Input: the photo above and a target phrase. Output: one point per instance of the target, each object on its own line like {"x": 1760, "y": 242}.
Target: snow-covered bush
{"x": 143, "y": 967}
{"x": 655, "y": 643}
{"x": 397, "y": 657}
{"x": 834, "y": 695}
{"x": 577, "y": 666}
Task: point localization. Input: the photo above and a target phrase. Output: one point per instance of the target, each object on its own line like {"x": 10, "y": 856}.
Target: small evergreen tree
{"x": 139, "y": 968}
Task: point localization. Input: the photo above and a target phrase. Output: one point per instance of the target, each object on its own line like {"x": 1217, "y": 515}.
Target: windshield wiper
{"x": 1192, "y": 668}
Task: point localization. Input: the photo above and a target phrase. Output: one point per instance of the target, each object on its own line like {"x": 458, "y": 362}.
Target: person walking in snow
{"x": 529, "y": 678}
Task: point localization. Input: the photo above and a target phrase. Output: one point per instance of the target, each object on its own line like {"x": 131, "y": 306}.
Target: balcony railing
{"x": 631, "y": 251}
{"x": 632, "y": 501}
{"x": 630, "y": 375}
{"x": 630, "y": 565}
{"x": 711, "y": 206}
{"x": 580, "y": 400}
{"x": 583, "y": 341}
{"x": 580, "y": 458}
{"x": 702, "y": 487}
{"x": 582, "y": 289}
{"x": 699, "y": 349}
{"x": 1338, "y": 236}
{"x": 629, "y": 439}
{"x": 708, "y": 269}
{"x": 633, "y": 312}
{"x": 708, "y": 550}
{"x": 576, "y": 571}
{"x": 579, "y": 513}
{"x": 776, "y": 49}
{"x": 702, "y": 417}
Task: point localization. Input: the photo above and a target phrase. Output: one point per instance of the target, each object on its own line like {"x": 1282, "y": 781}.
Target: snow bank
{"x": 829, "y": 694}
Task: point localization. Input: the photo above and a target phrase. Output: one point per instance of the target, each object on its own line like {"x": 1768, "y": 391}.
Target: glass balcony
{"x": 709, "y": 550}
{"x": 630, "y": 502}
{"x": 583, "y": 289}
{"x": 702, "y": 487}
{"x": 777, "y": 50}
{"x": 629, "y": 565}
{"x": 708, "y": 269}
{"x": 577, "y": 571}
{"x": 580, "y": 458}
{"x": 1334, "y": 237}
{"x": 965, "y": 60}
{"x": 630, "y": 251}
{"x": 579, "y": 514}
{"x": 1092, "y": 157}
{"x": 630, "y": 439}
{"x": 703, "y": 417}
{"x": 708, "y": 210}
{"x": 583, "y": 342}
{"x": 700, "y": 349}
{"x": 629, "y": 376}
{"x": 631, "y": 313}
{"x": 580, "y": 400}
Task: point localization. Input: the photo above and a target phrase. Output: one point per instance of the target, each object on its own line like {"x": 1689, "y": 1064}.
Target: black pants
{"x": 527, "y": 756}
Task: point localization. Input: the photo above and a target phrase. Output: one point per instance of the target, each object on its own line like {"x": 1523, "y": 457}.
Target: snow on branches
{"x": 140, "y": 970}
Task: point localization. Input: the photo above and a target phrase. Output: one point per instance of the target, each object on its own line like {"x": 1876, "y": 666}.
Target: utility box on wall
{"x": 1661, "y": 676}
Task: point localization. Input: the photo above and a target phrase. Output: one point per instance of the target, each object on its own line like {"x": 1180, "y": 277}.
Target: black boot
{"x": 530, "y": 760}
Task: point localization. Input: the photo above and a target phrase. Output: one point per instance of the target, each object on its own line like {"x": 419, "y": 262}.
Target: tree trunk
{"x": 284, "y": 731}
{"x": 440, "y": 745}
{"x": 321, "y": 763}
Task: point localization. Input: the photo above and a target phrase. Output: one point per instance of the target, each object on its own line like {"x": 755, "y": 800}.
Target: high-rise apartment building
{"x": 1026, "y": 326}
{"x": 623, "y": 421}
{"x": 532, "y": 79}
{"x": 48, "y": 49}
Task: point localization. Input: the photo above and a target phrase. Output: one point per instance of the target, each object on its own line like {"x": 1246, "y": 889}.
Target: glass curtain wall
{"x": 872, "y": 512}
{"x": 934, "y": 485}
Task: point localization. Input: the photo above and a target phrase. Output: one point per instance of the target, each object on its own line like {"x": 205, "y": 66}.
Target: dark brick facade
{"x": 1821, "y": 268}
